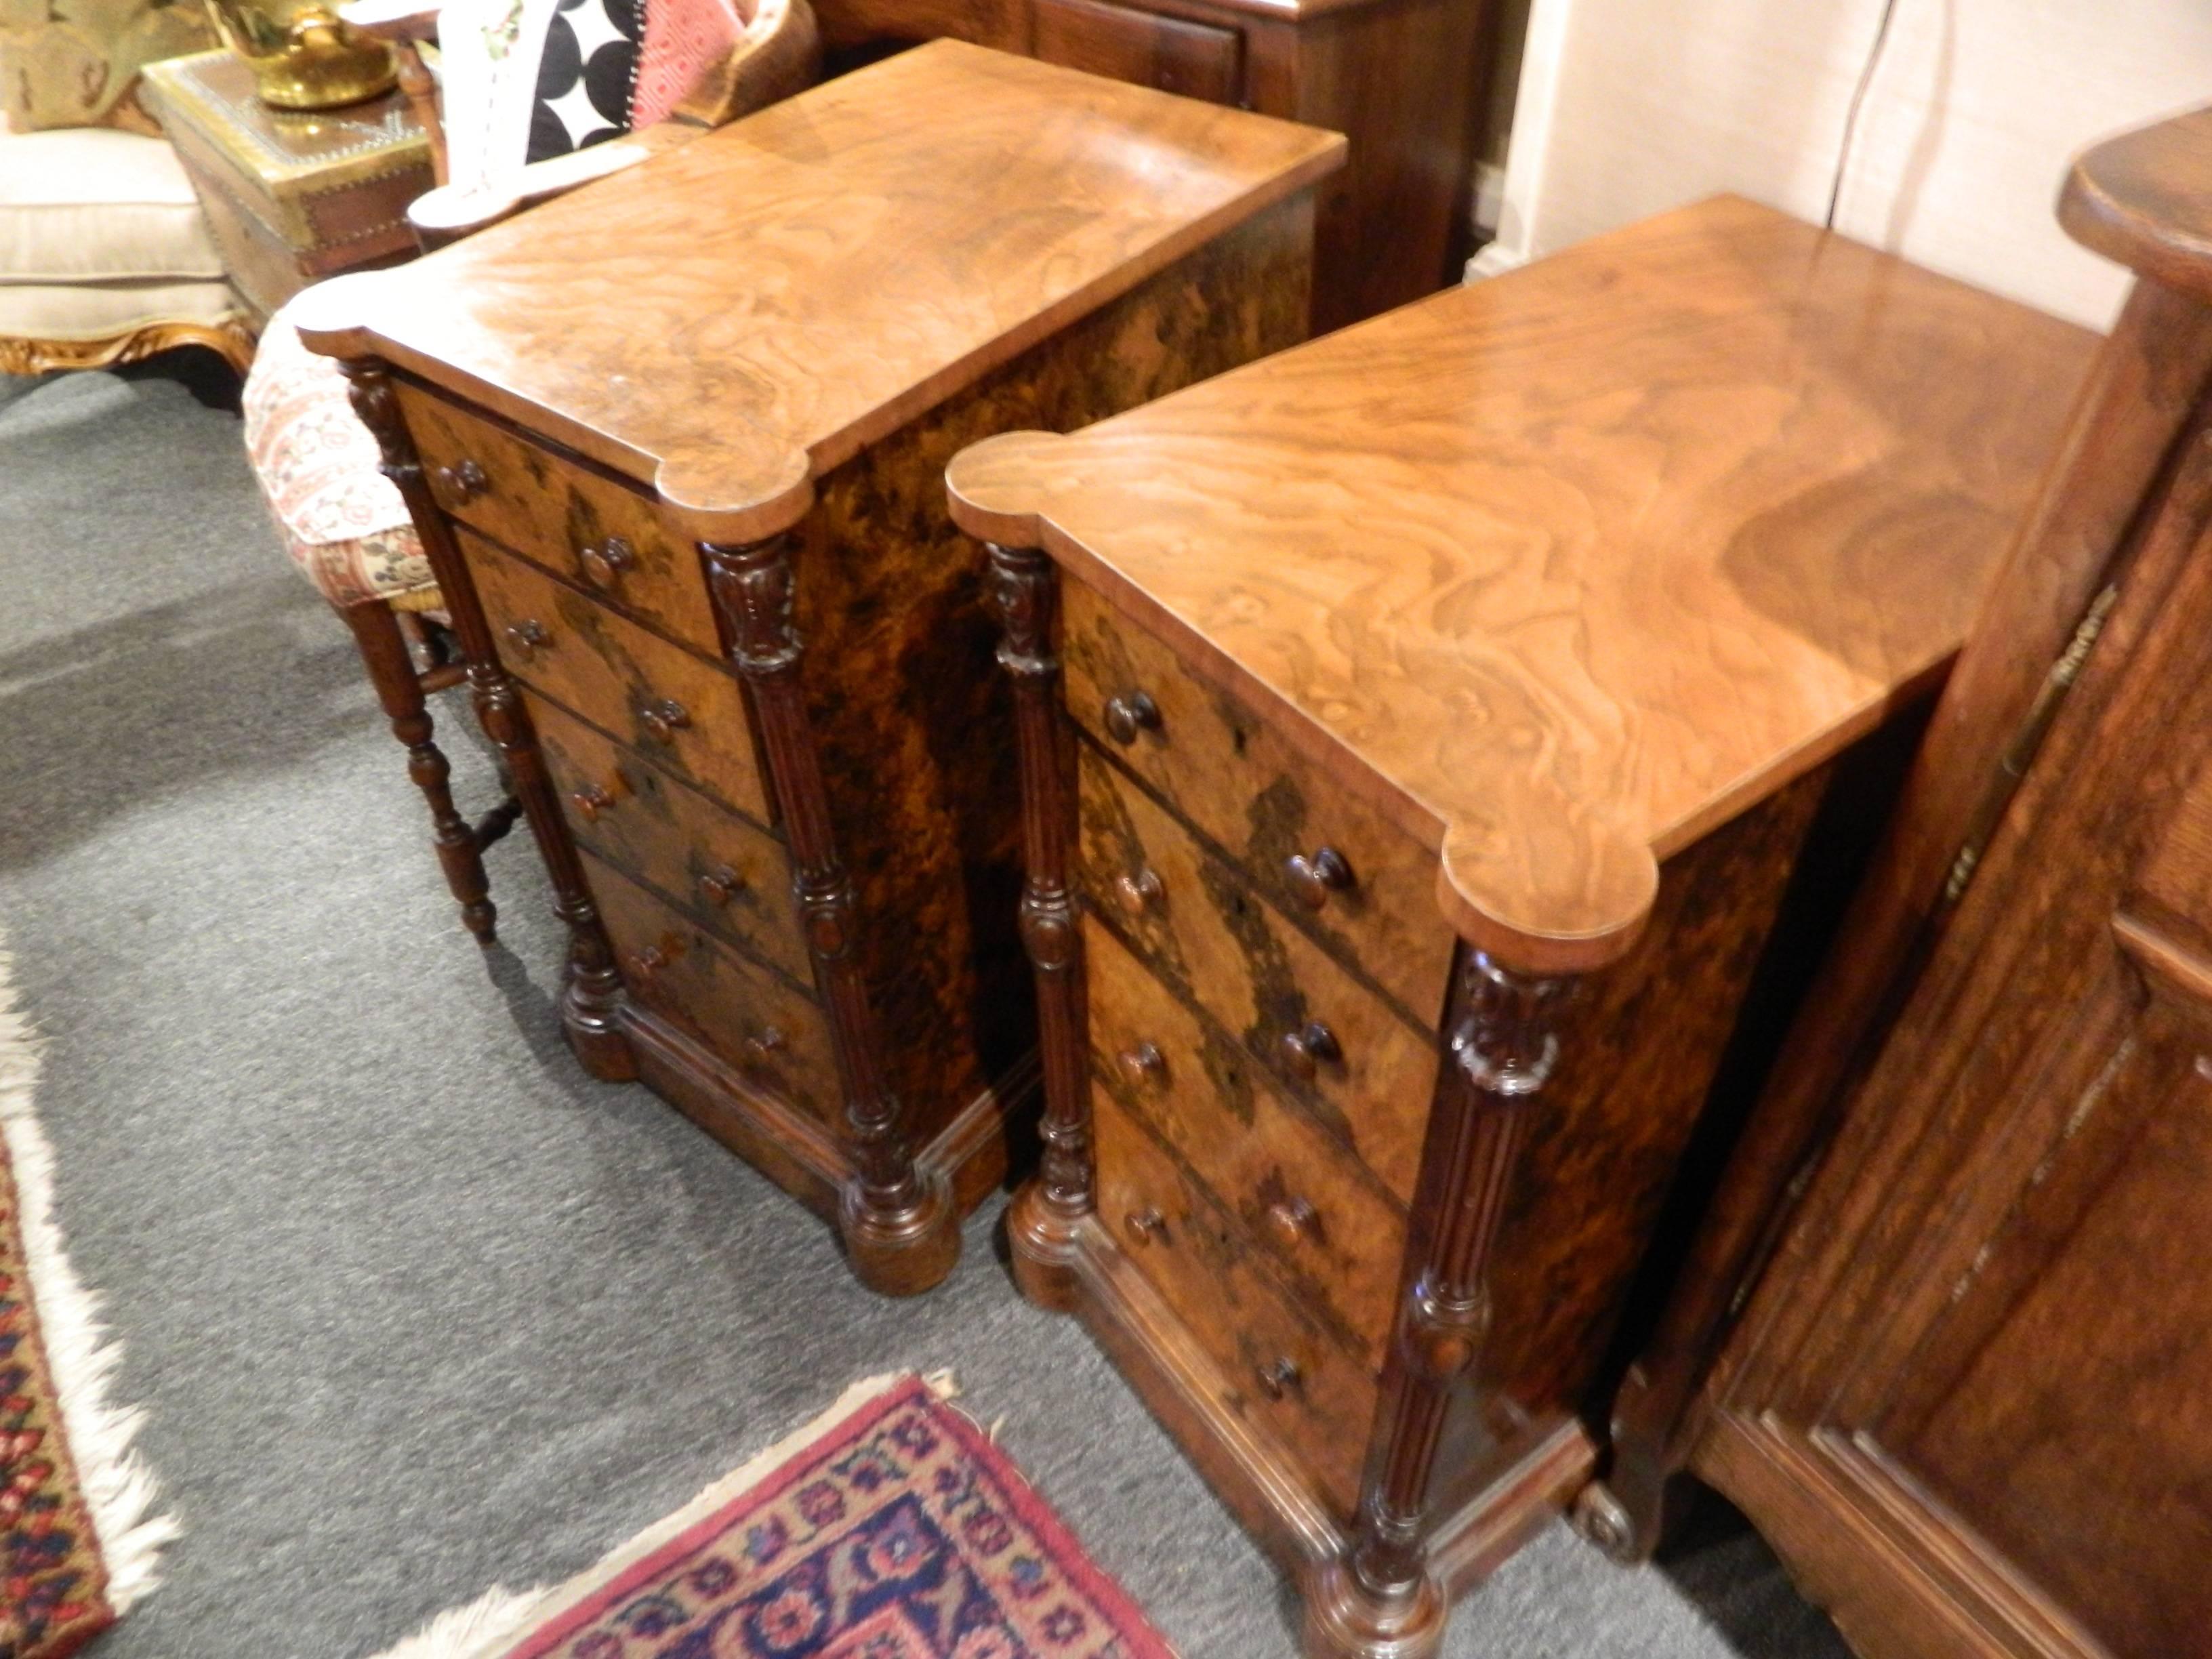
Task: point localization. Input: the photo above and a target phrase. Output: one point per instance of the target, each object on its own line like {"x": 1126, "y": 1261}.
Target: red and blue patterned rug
{"x": 890, "y": 1529}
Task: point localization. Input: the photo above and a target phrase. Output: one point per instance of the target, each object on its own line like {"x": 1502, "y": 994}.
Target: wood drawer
{"x": 1323, "y": 1406}
{"x": 770, "y": 1030}
{"x": 1198, "y": 60}
{"x": 731, "y": 873}
{"x": 1198, "y": 925}
{"x": 1325, "y": 1219}
{"x": 556, "y": 511}
{"x": 1226, "y": 772}
{"x": 689, "y": 715}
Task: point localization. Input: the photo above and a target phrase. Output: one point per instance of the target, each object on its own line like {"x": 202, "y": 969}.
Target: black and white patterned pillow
{"x": 587, "y": 75}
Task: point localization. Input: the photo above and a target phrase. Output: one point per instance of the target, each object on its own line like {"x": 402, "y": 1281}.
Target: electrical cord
{"x": 1858, "y": 101}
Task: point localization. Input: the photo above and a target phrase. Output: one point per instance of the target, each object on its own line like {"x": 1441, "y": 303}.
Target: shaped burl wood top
{"x": 737, "y": 314}
{"x": 1565, "y": 569}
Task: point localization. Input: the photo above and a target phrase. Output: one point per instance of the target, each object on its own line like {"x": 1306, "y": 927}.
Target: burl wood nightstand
{"x": 1423, "y": 731}
{"x": 676, "y": 443}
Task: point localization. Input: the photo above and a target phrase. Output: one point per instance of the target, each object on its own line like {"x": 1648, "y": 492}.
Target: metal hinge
{"x": 2020, "y": 753}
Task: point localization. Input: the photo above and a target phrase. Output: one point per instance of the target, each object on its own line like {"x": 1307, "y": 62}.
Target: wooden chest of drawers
{"x": 675, "y": 446}
{"x": 1437, "y": 741}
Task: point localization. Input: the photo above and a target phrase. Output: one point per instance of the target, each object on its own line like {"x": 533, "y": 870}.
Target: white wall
{"x": 1629, "y": 107}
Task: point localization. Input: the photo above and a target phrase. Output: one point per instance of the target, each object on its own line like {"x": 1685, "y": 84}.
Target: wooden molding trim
{"x": 233, "y": 342}
{"x": 1902, "y": 1578}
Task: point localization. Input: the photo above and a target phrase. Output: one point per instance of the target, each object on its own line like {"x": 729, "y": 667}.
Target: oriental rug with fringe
{"x": 891, "y": 1528}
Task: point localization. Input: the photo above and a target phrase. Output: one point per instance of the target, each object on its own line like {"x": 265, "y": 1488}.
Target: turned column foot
{"x": 591, "y": 1020}
{"x": 901, "y": 1252}
{"x": 1345, "y": 1620}
{"x": 1041, "y": 1240}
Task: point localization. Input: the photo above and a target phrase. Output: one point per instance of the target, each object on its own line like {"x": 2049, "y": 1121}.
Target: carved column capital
{"x": 752, "y": 584}
{"x": 1506, "y": 1043}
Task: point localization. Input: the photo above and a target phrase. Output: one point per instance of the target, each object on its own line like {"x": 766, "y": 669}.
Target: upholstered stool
{"x": 342, "y": 522}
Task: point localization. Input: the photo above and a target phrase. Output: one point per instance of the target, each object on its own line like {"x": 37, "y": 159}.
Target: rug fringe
{"x": 119, "y": 1489}
{"x": 477, "y": 1629}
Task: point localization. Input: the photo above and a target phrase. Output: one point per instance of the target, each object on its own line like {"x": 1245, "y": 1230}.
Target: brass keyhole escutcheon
{"x": 1130, "y": 713}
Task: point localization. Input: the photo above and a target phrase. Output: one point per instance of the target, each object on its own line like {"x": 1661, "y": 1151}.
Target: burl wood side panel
{"x": 550, "y": 509}
{"x": 1638, "y": 1054}
{"x": 1332, "y": 1229}
{"x": 1229, "y": 773}
{"x": 1204, "y": 930}
{"x": 911, "y": 712}
{"x": 729, "y": 874}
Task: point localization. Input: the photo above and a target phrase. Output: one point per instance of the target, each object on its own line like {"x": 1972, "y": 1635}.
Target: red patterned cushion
{"x": 341, "y": 519}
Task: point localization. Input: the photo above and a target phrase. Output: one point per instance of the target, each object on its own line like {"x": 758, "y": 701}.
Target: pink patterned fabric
{"x": 683, "y": 40}
{"x": 341, "y": 519}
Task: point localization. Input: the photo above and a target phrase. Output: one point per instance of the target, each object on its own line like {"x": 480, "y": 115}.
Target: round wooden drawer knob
{"x": 528, "y": 637}
{"x": 1129, "y": 714}
{"x": 645, "y": 964}
{"x": 1292, "y": 1220}
{"x": 1144, "y": 1226}
{"x": 1278, "y": 1376}
{"x": 1140, "y": 892}
{"x": 1310, "y": 1047}
{"x": 721, "y": 885}
{"x": 461, "y": 482}
{"x": 591, "y": 801}
{"x": 758, "y": 1049}
{"x": 665, "y": 718}
{"x": 1314, "y": 878}
{"x": 1145, "y": 1064}
{"x": 605, "y": 561}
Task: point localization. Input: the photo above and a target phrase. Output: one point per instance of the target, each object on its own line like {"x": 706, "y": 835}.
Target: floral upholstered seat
{"x": 340, "y": 518}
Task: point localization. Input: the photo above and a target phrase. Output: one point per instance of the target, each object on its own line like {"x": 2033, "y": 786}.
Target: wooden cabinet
{"x": 1403, "y": 79}
{"x": 1424, "y": 731}
{"x": 1971, "y": 1401}
{"x": 679, "y": 468}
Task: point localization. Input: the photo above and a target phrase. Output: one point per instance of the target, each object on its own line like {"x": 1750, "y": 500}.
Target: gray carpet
{"x": 414, "y": 1308}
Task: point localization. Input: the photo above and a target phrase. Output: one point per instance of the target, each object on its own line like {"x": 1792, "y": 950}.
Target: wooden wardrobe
{"x": 1964, "y": 1381}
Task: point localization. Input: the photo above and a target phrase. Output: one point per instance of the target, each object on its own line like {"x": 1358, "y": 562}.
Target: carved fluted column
{"x": 592, "y": 996}
{"x": 1381, "y": 1598}
{"x": 1041, "y": 1225}
{"x": 902, "y": 1229}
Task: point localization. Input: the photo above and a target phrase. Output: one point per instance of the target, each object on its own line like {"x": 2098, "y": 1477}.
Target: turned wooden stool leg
{"x": 900, "y": 1224}
{"x": 1381, "y": 1598}
{"x": 1041, "y": 1225}
{"x": 392, "y": 670}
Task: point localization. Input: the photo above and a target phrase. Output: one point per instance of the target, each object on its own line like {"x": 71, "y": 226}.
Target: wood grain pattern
{"x": 727, "y": 873}
{"x": 850, "y": 279}
{"x": 754, "y": 1021}
{"x": 567, "y": 645}
{"x": 1223, "y": 1295}
{"x": 1764, "y": 473}
{"x": 1226, "y": 770}
{"x": 1202, "y": 928}
{"x": 551, "y": 510}
{"x": 2139, "y": 199}
{"x": 913, "y": 719}
{"x": 1332, "y": 1231}
{"x": 1193, "y": 60}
